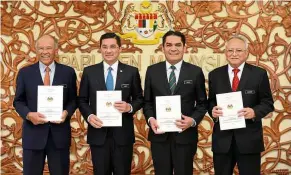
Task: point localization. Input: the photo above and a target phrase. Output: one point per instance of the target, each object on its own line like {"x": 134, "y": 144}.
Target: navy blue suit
{"x": 39, "y": 139}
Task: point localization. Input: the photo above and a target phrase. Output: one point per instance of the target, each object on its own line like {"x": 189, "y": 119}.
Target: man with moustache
{"x": 111, "y": 147}
{"x": 174, "y": 151}
{"x": 41, "y": 138}
{"x": 242, "y": 146}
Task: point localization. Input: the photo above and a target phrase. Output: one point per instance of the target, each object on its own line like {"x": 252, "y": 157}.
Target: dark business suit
{"x": 191, "y": 88}
{"x": 128, "y": 81}
{"x": 43, "y": 139}
{"x": 256, "y": 94}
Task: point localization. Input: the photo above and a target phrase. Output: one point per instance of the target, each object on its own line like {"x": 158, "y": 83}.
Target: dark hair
{"x": 174, "y": 33}
{"x": 110, "y": 35}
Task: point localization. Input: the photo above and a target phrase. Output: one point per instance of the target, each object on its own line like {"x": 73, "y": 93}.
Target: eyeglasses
{"x": 232, "y": 51}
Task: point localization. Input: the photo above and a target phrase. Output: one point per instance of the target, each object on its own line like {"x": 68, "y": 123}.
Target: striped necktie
{"x": 172, "y": 80}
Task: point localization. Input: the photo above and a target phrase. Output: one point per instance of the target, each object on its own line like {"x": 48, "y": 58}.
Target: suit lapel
{"x": 244, "y": 77}
{"x": 119, "y": 77}
{"x": 164, "y": 78}
{"x": 37, "y": 74}
{"x": 100, "y": 75}
{"x": 181, "y": 78}
{"x": 225, "y": 79}
{"x": 57, "y": 77}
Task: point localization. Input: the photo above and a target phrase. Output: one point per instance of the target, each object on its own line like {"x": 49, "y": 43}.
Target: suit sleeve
{"x": 211, "y": 95}
{"x": 265, "y": 105}
{"x": 148, "y": 97}
{"x": 83, "y": 99}
{"x": 72, "y": 104}
{"x": 201, "y": 100}
{"x": 20, "y": 102}
{"x": 137, "y": 96}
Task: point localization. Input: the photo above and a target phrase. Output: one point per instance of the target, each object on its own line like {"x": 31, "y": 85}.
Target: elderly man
{"x": 41, "y": 138}
{"x": 242, "y": 146}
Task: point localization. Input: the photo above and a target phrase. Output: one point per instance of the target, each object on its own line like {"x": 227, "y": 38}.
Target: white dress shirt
{"x": 231, "y": 73}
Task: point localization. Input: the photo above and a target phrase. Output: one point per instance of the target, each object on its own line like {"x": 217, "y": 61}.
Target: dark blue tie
{"x": 109, "y": 80}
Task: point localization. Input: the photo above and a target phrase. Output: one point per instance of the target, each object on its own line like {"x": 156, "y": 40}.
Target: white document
{"x": 168, "y": 109}
{"x": 106, "y": 111}
{"x": 50, "y": 102}
{"x": 230, "y": 103}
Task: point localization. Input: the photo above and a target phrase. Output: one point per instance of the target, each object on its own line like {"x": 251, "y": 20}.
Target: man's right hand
{"x": 95, "y": 121}
{"x": 36, "y": 118}
{"x": 155, "y": 126}
{"x": 216, "y": 111}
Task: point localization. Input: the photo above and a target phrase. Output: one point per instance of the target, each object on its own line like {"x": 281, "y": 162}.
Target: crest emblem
{"x": 108, "y": 104}
{"x": 147, "y": 24}
{"x": 168, "y": 109}
{"x": 50, "y": 99}
{"x": 230, "y": 106}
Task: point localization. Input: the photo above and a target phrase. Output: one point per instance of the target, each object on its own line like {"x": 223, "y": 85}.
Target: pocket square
{"x": 188, "y": 82}
{"x": 124, "y": 85}
{"x": 250, "y": 91}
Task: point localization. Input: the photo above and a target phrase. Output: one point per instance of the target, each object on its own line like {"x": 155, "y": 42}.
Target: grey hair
{"x": 56, "y": 41}
{"x": 240, "y": 37}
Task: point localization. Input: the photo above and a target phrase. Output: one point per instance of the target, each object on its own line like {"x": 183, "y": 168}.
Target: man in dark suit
{"x": 242, "y": 146}
{"x": 111, "y": 147}
{"x": 174, "y": 152}
{"x": 41, "y": 138}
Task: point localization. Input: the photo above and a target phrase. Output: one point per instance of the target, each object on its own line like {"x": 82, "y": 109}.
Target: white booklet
{"x": 50, "y": 102}
{"x": 230, "y": 103}
{"x": 168, "y": 110}
{"x": 106, "y": 111}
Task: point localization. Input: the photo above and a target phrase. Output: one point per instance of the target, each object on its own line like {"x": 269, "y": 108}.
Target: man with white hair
{"x": 242, "y": 146}
{"x": 41, "y": 138}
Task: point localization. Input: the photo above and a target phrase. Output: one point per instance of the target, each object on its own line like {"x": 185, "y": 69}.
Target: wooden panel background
{"x": 78, "y": 25}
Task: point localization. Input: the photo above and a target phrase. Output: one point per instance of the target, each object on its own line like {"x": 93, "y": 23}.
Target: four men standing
{"x": 112, "y": 147}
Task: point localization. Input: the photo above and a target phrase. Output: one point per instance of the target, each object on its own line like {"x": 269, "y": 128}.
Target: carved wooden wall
{"x": 78, "y": 25}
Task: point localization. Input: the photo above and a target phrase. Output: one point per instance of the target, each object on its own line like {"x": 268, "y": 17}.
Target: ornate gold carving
{"x": 78, "y": 25}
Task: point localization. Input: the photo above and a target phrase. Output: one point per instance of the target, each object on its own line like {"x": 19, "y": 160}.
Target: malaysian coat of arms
{"x": 146, "y": 24}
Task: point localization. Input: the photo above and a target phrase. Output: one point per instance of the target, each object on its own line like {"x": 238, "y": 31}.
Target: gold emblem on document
{"x": 50, "y": 99}
{"x": 168, "y": 109}
{"x": 229, "y": 106}
{"x": 108, "y": 104}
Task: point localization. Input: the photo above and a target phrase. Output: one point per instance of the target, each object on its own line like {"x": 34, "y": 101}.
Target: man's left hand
{"x": 248, "y": 113}
{"x": 64, "y": 116}
{"x": 122, "y": 106}
{"x": 185, "y": 123}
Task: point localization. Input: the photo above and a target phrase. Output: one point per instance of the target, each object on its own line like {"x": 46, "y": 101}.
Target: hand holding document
{"x": 106, "y": 111}
{"x": 168, "y": 109}
{"x": 50, "y": 102}
{"x": 230, "y": 103}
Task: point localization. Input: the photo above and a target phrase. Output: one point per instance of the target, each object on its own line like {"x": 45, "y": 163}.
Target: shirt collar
{"x": 114, "y": 66}
{"x": 177, "y": 65}
{"x": 42, "y": 66}
{"x": 241, "y": 67}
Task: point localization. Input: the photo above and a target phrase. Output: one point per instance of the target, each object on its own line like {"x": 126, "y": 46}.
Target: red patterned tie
{"x": 235, "y": 80}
